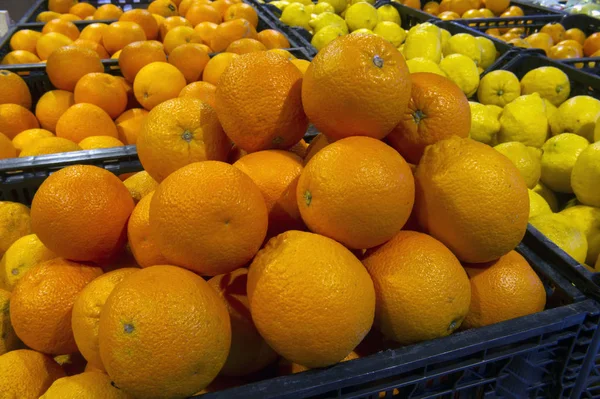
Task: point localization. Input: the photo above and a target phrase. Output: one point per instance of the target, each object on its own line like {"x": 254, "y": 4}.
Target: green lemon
{"x": 558, "y": 229}
{"x": 559, "y": 157}
{"x": 537, "y": 205}
{"x": 587, "y": 219}
{"x": 585, "y": 177}
{"x": 361, "y": 15}
{"x": 484, "y": 124}
{"x": 528, "y": 162}
{"x": 524, "y": 120}
{"x": 390, "y": 31}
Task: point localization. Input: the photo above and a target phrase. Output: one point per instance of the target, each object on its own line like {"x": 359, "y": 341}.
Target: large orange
{"x": 358, "y": 191}
{"x": 25, "y": 39}
{"x": 241, "y": 10}
{"x": 272, "y": 39}
{"x": 119, "y": 34}
{"x": 156, "y": 83}
{"x": 180, "y": 35}
{"x": 294, "y": 306}
{"x": 221, "y": 217}
{"x": 438, "y": 109}
{"x": 81, "y": 212}
{"x": 216, "y": 66}
{"x": 49, "y": 145}
{"x": 200, "y": 12}
{"x": 103, "y": 90}
{"x": 422, "y": 290}
{"x": 27, "y": 374}
{"x": 144, "y": 19}
{"x": 190, "y": 59}
{"x": 555, "y": 30}
{"x": 61, "y": 6}
{"x": 67, "y": 28}
{"x": 85, "y": 318}
{"x": 172, "y": 22}
{"x": 93, "y": 32}
{"x": 14, "y": 119}
{"x": 458, "y": 184}
{"x": 129, "y": 124}
{"x": 137, "y": 55}
{"x": 82, "y": 10}
{"x": 85, "y": 120}
{"x": 359, "y": 85}
{"x": 503, "y": 289}
{"x": 201, "y": 90}
{"x": 277, "y": 120}
{"x": 142, "y": 243}
{"x": 276, "y": 174}
{"x": 166, "y": 8}
{"x": 249, "y": 352}
{"x": 51, "y": 106}
{"x": 49, "y": 43}
{"x": 172, "y": 309}
{"x": 14, "y": 90}
{"x": 42, "y": 301}
{"x": 178, "y": 132}
{"x": 591, "y": 44}
{"x": 97, "y": 47}
{"x": 20, "y": 57}
{"x": 230, "y": 31}
{"x": 108, "y": 11}
{"x": 69, "y": 64}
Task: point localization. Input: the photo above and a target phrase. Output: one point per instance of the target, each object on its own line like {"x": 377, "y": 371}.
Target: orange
{"x": 190, "y": 59}
{"x": 572, "y": 43}
{"x": 458, "y": 182}
{"x": 243, "y": 46}
{"x": 497, "y": 6}
{"x": 359, "y": 85}
{"x": 142, "y": 243}
{"x": 7, "y": 149}
{"x": 432, "y": 7}
{"x": 129, "y": 124}
{"x": 225, "y": 215}
{"x": 462, "y": 6}
{"x": 438, "y": 109}
{"x": 230, "y": 31}
{"x": 49, "y": 145}
{"x": 14, "y": 119}
{"x": 412, "y": 3}
{"x": 516, "y": 11}
{"x": 93, "y": 32}
{"x": 108, "y": 11}
{"x": 46, "y": 16}
{"x": 241, "y": 10}
{"x": 103, "y": 90}
{"x": 591, "y": 44}
{"x": 94, "y": 384}
{"x": 137, "y": 55}
{"x": 575, "y": 34}
{"x": 85, "y": 319}
{"x": 504, "y": 289}
{"x": 20, "y": 57}
{"x": 98, "y": 142}
{"x": 82, "y": 10}
{"x": 80, "y": 212}
{"x": 249, "y": 352}
{"x": 51, "y": 106}
{"x": 201, "y": 90}
{"x": 183, "y": 307}
{"x": 299, "y": 148}
{"x": 555, "y": 30}
{"x": 70, "y": 17}
{"x": 172, "y": 22}
{"x": 507, "y": 37}
{"x": 206, "y": 48}
{"x": 405, "y": 268}
{"x": 563, "y": 51}
{"x": 178, "y": 132}
{"x": 222, "y": 6}
{"x": 276, "y": 174}
{"x": 518, "y": 42}
{"x": 216, "y": 66}
{"x": 69, "y": 64}
{"x": 200, "y": 12}
{"x": 67, "y": 28}
{"x": 370, "y": 214}
{"x": 140, "y": 185}
{"x": 291, "y": 320}
{"x": 540, "y": 40}
{"x": 119, "y": 34}
{"x": 156, "y": 83}
{"x": 25, "y": 39}
{"x": 14, "y": 90}
{"x": 166, "y": 8}
{"x": 444, "y": 6}
{"x": 61, "y": 6}
{"x": 472, "y": 14}
{"x": 43, "y": 300}
{"x": 144, "y": 19}
{"x": 180, "y": 35}
{"x": 272, "y": 39}
{"x": 279, "y": 121}
{"x": 448, "y": 16}
{"x": 98, "y": 48}
{"x": 27, "y": 374}
{"x": 85, "y": 120}
{"x": 28, "y": 137}
{"x": 319, "y": 142}
{"x": 159, "y": 21}
{"x": 493, "y": 32}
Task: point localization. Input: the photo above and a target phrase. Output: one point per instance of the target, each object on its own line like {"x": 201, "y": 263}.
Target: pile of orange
{"x": 454, "y": 9}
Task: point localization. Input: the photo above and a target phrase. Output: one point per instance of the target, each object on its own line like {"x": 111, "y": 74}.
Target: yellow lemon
{"x": 587, "y": 219}
{"x": 524, "y": 120}
{"x": 328, "y": 19}
{"x": 361, "y": 15}
{"x": 498, "y": 88}
{"x": 428, "y": 27}
{"x": 585, "y": 177}
{"x": 8, "y": 338}
{"x": 528, "y": 162}
{"x": 559, "y": 157}
{"x": 462, "y": 71}
{"x": 389, "y": 13}
{"x": 596, "y": 131}
{"x": 547, "y": 194}
{"x": 465, "y": 44}
{"x": 321, "y": 8}
{"x": 295, "y": 15}
{"x": 550, "y": 82}
{"x": 537, "y": 205}
{"x": 577, "y": 115}
{"x": 338, "y": 5}
{"x": 22, "y": 255}
{"x": 444, "y": 36}
{"x": 484, "y": 124}
{"x": 424, "y": 65}
{"x": 567, "y": 237}
{"x": 363, "y": 32}
{"x": 14, "y": 223}
{"x": 488, "y": 51}
{"x": 326, "y": 36}
{"x": 391, "y": 32}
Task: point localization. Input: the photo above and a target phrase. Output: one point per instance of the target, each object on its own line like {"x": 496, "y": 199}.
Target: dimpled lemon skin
{"x": 585, "y": 177}
{"x": 559, "y": 230}
{"x": 525, "y": 160}
{"x": 560, "y": 153}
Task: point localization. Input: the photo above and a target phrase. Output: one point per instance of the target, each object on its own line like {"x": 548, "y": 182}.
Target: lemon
{"x": 372, "y": 2}
{"x": 328, "y": 19}
{"x": 427, "y": 27}
{"x": 280, "y": 4}
{"x": 326, "y": 35}
{"x": 585, "y": 177}
{"x": 295, "y": 15}
{"x": 558, "y": 159}
{"x": 495, "y": 109}
{"x": 363, "y": 31}
{"x": 571, "y": 203}
{"x": 498, "y": 88}
{"x": 389, "y": 13}
{"x": 322, "y": 7}
{"x": 465, "y": 44}
{"x": 586, "y": 219}
{"x": 524, "y": 120}
{"x": 310, "y": 8}
{"x": 390, "y": 31}
{"x": 444, "y": 36}
{"x": 488, "y": 52}
{"x": 528, "y": 162}
{"x": 424, "y": 65}
{"x": 557, "y": 228}
{"x": 361, "y": 15}
{"x": 597, "y": 131}
{"x": 537, "y": 205}
{"x": 548, "y": 195}
{"x": 423, "y": 44}
{"x": 20, "y": 257}
{"x": 338, "y": 5}
{"x": 484, "y": 124}
{"x": 550, "y": 111}
{"x": 550, "y": 82}
{"x": 577, "y": 115}
{"x": 304, "y": 2}
{"x": 597, "y": 266}
{"x": 462, "y": 71}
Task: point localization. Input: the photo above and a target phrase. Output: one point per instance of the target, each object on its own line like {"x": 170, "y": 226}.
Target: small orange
{"x": 222, "y": 6}
{"x": 206, "y": 48}
{"x": 27, "y": 374}
{"x": 166, "y": 8}
{"x": 493, "y": 32}
{"x": 99, "y": 142}
{"x": 156, "y": 83}
{"x": 60, "y": 6}
{"x": 564, "y": 51}
{"x": 59, "y": 26}
{"x": 486, "y": 13}
{"x": 462, "y": 6}
{"x": 230, "y": 31}
{"x": 98, "y": 48}
{"x": 49, "y": 145}
{"x": 190, "y": 59}
{"x": 201, "y": 90}
{"x": 70, "y": 17}
{"x": 7, "y": 148}
{"x": 200, "y": 12}
{"x": 132, "y": 102}
{"x": 119, "y": 34}
{"x": 518, "y": 42}
{"x": 25, "y": 39}
{"x": 412, "y": 3}
{"x": 507, "y": 37}
{"x": 139, "y": 185}
{"x": 46, "y": 16}
{"x": 68, "y": 64}
{"x": 130, "y": 123}
{"x": 555, "y": 30}
{"x": 144, "y": 19}
{"x": 93, "y": 32}
{"x": 241, "y": 10}
{"x": 516, "y": 11}
{"x": 575, "y": 34}
{"x": 448, "y": 16}
{"x": 243, "y": 46}
{"x": 137, "y": 55}
{"x": 180, "y": 35}
{"x": 141, "y": 242}
{"x": 432, "y": 7}
{"x": 185, "y": 5}
{"x": 591, "y": 44}
{"x": 272, "y": 39}
{"x": 444, "y": 6}
{"x": 172, "y": 22}
{"x": 80, "y": 212}
{"x": 503, "y": 289}
{"x": 206, "y": 30}
{"x": 14, "y": 90}
{"x": 572, "y": 43}
{"x": 470, "y": 14}
{"x": 215, "y": 67}
{"x": 51, "y": 106}
{"x": 20, "y": 57}
{"x": 14, "y": 119}
{"x": 540, "y": 40}
{"x": 85, "y": 120}
{"x": 82, "y": 10}
{"x": 178, "y": 132}
{"x": 159, "y": 21}
{"x": 28, "y": 137}
{"x": 108, "y": 11}
{"x": 42, "y": 301}
{"x": 497, "y": 6}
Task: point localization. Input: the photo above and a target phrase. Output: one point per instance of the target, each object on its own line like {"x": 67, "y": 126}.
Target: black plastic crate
{"x": 42, "y": 5}
{"x": 528, "y": 8}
